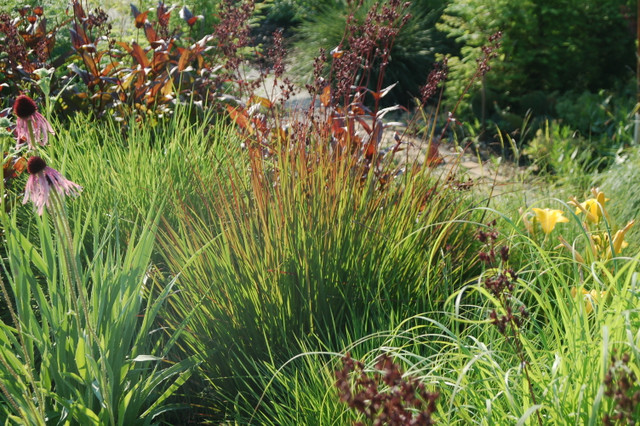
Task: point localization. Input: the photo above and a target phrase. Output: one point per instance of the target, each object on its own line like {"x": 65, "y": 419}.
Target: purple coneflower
{"x": 27, "y": 113}
{"x": 42, "y": 180}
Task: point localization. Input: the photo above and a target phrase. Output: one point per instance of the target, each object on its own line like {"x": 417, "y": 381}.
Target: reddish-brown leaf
{"x": 153, "y": 91}
{"x": 104, "y": 97}
{"x": 86, "y": 78}
{"x": 358, "y": 109}
{"x": 35, "y": 35}
{"x": 124, "y": 45}
{"x": 150, "y": 33}
{"x": 325, "y": 97}
{"x": 163, "y": 13}
{"x": 160, "y": 61}
{"x": 30, "y": 40}
{"x": 140, "y": 18}
{"x": 240, "y": 117}
{"x": 433, "y": 155}
{"x": 139, "y": 55}
{"x": 78, "y": 36}
{"x": 90, "y": 63}
{"x": 186, "y": 14}
{"x": 13, "y": 167}
{"x": 138, "y": 80}
{"x": 184, "y": 59}
{"x": 259, "y": 124}
{"x": 363, "y": 122}
{"x": 78, "y": 11}
{"x": 109, "y": 68}
{"x": 381, "y": 94}
{"x": 20, "y": 165}
{"x": 167, "y": 88}
{"x": 260, "y": 100}
{"x": 370, "y": 150}
{"x": 50, "y": 41}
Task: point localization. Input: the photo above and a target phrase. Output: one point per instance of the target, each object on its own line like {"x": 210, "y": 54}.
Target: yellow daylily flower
{"x": 593, "y": 208}
{"x": 618, "y": 240}
{"x": 591, "y": 298}
{"x": 548, "y": 218}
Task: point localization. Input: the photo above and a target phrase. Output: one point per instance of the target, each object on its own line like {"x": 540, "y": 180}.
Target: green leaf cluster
{"x": 548, "y": 46}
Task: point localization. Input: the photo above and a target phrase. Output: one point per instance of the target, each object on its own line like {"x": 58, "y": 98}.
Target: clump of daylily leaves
{"x": 604, "y": 242}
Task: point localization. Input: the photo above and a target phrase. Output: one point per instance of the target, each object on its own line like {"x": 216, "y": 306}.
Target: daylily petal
{"x": 618, "y": 240}
{"x": 548, "y": 218}
{"x": 591, "y": 298}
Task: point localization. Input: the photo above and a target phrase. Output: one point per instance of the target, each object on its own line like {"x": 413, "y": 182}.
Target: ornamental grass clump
{"x": 315, "y": 230}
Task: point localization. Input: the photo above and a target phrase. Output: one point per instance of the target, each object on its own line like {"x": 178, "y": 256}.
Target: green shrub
{"x": 287, "y": 13}
{"x": 558, "y": 150}
{"x": 605, "y": 117}
{"x": 547, "y": 46}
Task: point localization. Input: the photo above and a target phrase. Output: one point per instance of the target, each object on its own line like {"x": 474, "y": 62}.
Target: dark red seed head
{"x": 36, "y": 165}
{"x": 24, "y": 107}
{"x": 504, "y": 253}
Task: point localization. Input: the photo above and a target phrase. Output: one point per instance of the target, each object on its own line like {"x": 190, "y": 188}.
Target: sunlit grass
{"x": 299, "y": 245}
{"x": 458, "y": 352}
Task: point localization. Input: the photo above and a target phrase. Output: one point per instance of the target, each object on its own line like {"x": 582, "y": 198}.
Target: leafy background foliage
{"x": 548, "y": 48}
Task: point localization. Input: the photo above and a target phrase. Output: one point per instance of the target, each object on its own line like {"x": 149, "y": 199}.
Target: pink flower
{"x": 42, "y": 180}
{"x": 27, "y": 113}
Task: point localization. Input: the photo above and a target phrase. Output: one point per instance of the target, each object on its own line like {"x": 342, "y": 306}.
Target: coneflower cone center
{"x": 36, "y": 165}
{"x": 24, "y": 107}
